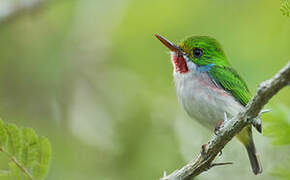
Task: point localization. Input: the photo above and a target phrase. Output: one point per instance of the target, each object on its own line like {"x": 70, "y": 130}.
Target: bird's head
{"x": 195, "y": 51}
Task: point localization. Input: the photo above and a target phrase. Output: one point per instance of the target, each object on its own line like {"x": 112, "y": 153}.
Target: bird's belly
{"x": 203, "y": 101}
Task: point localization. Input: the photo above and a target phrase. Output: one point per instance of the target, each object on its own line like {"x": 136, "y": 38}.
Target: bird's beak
{"x": 168, "y": 44}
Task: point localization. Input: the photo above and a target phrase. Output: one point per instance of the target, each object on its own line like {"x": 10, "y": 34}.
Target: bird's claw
{"x": 203, "y": 150}
{"x": 256, "y": 122}
{"x": 221, "y": 153}
{"x": 217, "y": 128}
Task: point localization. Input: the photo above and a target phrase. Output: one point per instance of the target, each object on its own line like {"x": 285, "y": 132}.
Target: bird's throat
{"x": 179, "y": 63}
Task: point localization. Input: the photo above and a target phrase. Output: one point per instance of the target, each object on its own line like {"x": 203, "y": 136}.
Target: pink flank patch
{"x": 180, "y": 64}
{"x": 206, "y": 81}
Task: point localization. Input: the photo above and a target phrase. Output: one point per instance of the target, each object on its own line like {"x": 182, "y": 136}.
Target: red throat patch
{"x": 180, "y": 63}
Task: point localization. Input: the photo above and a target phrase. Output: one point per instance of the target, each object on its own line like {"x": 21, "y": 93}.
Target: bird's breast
{"x": 203, "y": 100}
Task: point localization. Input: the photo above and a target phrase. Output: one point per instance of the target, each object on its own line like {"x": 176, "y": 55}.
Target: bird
{"x": 209, "y": 88}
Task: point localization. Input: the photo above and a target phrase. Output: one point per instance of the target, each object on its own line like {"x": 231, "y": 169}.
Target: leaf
{"x": 15, "y": 172}
{"x": 285, "y": 8}
{"x": 29, "y": 153}
{"x": 3, "y": 134}
{"x": 14, "y": 139}
{"x": 277, "y": 127}
{"x": 40, "y": 169}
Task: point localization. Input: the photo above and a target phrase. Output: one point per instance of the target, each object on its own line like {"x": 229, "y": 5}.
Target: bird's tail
{"x": 254, "y": 159}
{"x": 245, "y": 136}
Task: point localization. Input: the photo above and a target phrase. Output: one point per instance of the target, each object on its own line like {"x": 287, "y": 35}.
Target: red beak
{"x": 168, "y": 44}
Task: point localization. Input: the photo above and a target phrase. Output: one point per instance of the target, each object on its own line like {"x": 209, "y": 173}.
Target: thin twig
{"x": 221, "y": 164}
{"x": 230, "y": 128}
{"x": 18, "y": 164}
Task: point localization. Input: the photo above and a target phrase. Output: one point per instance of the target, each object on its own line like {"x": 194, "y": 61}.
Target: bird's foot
{"x": 217, "y": 128}
{"x": 256, "y": 122}
{"x": 203, "y": 150}
{"x": 219, "y": 125}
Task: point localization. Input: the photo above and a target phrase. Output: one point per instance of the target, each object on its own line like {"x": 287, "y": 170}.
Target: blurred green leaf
{"x": 277, "y": 126}
{"x": 285, "y": 8}
{"x": 29, "y": 153}
{"x": 278, "y": 129}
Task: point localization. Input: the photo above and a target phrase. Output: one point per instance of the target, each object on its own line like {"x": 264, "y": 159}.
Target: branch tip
{"x": 221, "y": 164}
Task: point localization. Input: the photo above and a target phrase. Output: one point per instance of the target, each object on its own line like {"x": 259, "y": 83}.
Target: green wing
{"x": 228, "y": 79}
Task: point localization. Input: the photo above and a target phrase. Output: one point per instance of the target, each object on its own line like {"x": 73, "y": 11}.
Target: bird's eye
{"x": 197, "y": 52}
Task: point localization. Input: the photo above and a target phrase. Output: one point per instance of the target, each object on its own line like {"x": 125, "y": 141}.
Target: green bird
{"x": 208, "y": 87}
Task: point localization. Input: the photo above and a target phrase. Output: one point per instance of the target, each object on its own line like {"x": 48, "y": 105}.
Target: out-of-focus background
{"x": 90, "y": 75}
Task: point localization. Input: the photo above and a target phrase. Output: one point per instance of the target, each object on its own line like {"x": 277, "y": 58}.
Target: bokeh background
{"x": 90, "y": 75}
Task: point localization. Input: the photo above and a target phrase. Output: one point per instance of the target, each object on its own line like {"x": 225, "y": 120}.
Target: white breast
{"x": 202, "y": 100}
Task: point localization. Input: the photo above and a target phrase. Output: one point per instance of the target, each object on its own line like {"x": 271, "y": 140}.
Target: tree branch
{"x": 231, "y": 127}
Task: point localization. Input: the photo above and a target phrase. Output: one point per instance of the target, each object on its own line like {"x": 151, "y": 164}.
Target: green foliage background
{"x": 90, "y": 76}
{"x": 278, "y": 129}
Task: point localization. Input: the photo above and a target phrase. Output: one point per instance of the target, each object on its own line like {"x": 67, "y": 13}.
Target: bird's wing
{"x": 228, "y": 79}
